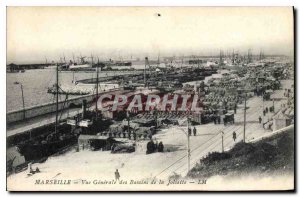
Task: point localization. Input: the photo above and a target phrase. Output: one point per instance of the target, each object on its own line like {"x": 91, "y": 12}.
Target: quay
{"x": 45, "y": 114}
{"x": 208, "y": 139}
{"x": 241, "y": 90}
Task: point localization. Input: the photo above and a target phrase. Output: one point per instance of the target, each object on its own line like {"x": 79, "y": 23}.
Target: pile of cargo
{"x": 71, "y": 90}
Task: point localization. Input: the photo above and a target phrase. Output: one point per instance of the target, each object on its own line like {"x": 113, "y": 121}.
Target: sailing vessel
{"x": 91, "y": 122}
{"x": 46, "y": 145}
{"x": 82, "y": 65}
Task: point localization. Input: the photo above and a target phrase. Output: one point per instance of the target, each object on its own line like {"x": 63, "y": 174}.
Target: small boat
{"x": 34, "y": 150}
{"x": 44, "y": 146}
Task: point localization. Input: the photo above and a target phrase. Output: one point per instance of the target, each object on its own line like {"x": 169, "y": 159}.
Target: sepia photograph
{"x": 150, "y": 98}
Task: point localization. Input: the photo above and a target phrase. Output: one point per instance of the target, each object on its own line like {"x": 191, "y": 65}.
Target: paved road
{"x": 209, "y": 136}
{"x": 38, "y": 121}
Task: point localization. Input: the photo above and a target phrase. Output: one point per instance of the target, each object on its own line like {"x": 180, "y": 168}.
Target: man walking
{"x": 234, "y": 136}
{"x": 194, "y": 131}
{"x": 259, "y": 119}
{"x": 117, "y": 175}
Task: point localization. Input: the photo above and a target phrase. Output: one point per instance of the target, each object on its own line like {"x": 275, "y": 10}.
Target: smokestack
{"x": 83, "y": 108}
{"x": 146, "y": 62}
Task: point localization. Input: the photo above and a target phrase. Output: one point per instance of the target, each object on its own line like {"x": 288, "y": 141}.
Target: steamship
{"x": 50, "y": 143}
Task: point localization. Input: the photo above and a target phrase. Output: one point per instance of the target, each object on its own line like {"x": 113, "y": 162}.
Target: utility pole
{"x": 263, "y": 96}
{"x": 188, "y": 148}
{"x": 244, "y": 136}
{"x": 56, "y": 116}
{"x": 73, "y": 58}
{"x": 221, "y": 58}
{"x": 181, "y": 65}
{"x": 23, "y": 102}
{"x": 146, "y": 60}
{"x": 97, "y": 86}
{"x": 92, "y": 58}
{"x": 222, "y": 141}
{"x": 155, "y": 117}
{"x": 128, "y": 122}
{"x": 263, "y": 119}
{"x": 22, "y": 98}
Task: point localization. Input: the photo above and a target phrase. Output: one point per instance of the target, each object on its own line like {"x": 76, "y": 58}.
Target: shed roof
{"x": 90, "y": 137}
{"x": 281, "y": 115}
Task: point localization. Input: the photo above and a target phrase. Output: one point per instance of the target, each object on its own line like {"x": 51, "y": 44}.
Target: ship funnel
{"x": 83, "y": 108}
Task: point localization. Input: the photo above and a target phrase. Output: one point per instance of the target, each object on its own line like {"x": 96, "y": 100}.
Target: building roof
{"x": 281, "y": 115}
{"x": 90, "y": 137}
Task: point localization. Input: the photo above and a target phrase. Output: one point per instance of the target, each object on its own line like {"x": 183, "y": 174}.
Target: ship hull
{"x": 32, "y": 151}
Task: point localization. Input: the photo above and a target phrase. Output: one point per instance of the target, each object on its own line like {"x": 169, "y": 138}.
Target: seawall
{"x": 31, "y": 112}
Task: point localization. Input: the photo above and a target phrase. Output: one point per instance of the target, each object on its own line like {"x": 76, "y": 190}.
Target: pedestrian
{"x": 219, "y": 119}
{"x": 194, "y": 131}
{"x": 264, "y": 112}
{"x": 156, "y": 145}
{"x": 160, "y": 147}
{"x": 270, "y": 126}
{"x": 113, "y": 147}
{"x": 234, "y": 109}
{"x": 117, "y": 175}
{"x": 150, "y": 147}
{"x": 234, "y": 136}
{"x": 266, "y": 109}
{"x": 30, "y": 171}
{"x": 37, "y": 170}
{"x": 129, "y": 134}
{"x": 259, "y": 119}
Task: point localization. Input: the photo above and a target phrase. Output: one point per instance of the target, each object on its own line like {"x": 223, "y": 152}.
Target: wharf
{"x": 23, "y": 126}
{"x": 157, "y": 165}
{"x": 36, "y": 122}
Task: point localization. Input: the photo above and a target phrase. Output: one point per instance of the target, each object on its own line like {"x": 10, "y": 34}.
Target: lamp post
{"x": 22, "y": 98}
{"x": 188, "y": 143}
{"x": 222, "y": 135}
{"x": 245, "y": 108}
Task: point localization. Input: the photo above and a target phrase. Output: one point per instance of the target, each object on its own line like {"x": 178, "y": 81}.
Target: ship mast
{"x": 97, "y": 82}
{"x": 56, "y": 116}
{"x": 146, "y": 59}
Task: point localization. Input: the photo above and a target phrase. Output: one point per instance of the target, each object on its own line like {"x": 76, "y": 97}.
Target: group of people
{"x": 32, "y": 171}
{"x": 154, "y": 147}
{"x": 194, "y": 131}
{"x": 267, "y": 110}
{"x": 217, "y": 119}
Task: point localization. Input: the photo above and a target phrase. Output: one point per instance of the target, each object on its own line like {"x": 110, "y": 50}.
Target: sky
{"x": 36, "y": 33}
